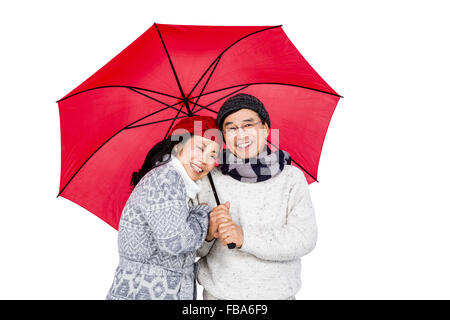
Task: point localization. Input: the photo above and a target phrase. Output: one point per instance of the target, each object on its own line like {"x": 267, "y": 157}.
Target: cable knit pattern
{"x": 158, "y": 235}
{"x": 278, "y": 221}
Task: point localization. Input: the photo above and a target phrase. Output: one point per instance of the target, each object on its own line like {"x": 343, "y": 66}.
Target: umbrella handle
{"x": 230, "y": 245}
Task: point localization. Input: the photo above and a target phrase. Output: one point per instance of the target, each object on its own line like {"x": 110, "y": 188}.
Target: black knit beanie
{"x": 242, "y": 101}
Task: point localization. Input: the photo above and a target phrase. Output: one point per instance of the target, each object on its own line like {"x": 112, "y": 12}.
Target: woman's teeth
{"x": 196, "y": 168}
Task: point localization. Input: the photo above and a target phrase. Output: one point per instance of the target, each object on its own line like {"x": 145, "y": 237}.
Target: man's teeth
{"x": 196, "y": 168}
{"x": 243, "y": 145}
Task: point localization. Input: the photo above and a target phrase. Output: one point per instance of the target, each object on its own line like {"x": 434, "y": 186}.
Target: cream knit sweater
{"x": 277, "y": 218}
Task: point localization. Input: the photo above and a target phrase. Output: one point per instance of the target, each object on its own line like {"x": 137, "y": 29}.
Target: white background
{"x": 382, "y": 201}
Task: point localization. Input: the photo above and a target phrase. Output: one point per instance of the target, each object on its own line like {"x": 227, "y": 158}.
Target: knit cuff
{"x": 201, "y": 209}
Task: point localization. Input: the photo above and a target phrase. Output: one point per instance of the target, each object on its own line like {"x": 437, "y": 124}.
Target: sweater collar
{"x": 192, "y": 187}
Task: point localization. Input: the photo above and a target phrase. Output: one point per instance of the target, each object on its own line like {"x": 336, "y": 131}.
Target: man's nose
{"x": 240, "y": 133}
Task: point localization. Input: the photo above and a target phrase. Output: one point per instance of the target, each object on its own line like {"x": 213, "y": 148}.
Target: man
{"x": 266, "y": 211}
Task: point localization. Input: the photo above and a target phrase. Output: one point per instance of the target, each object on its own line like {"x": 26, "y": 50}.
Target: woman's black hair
{"x": 158, "y": 156}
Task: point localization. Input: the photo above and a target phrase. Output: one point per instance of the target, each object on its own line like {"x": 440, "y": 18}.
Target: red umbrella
{"x": 109, "y": 122}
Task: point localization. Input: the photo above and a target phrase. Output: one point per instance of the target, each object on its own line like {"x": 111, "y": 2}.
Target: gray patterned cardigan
{"x": 159, "y": 233}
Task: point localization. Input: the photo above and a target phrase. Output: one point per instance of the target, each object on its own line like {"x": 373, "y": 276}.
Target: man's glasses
{"x": 247, "y": 128}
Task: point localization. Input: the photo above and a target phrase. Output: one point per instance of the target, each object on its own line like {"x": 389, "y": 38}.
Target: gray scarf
{"x": 266, "y": 165}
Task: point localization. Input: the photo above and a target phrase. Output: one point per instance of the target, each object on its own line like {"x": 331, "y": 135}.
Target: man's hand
{"x": 218, "y": 215}
{"x": 230, "y": 232}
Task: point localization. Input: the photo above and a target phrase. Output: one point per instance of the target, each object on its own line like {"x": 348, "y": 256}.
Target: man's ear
{"x": 266, "y": 130}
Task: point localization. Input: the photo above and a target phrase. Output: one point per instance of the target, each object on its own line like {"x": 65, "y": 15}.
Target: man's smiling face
{"x": 244, "y": 133}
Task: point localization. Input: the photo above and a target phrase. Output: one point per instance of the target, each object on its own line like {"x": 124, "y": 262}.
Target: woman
{"x": 160, "y": 227}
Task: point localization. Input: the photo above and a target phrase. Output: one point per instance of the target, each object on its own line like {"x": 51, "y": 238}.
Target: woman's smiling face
{"x": 198, "y": 156}
{"x": 244, "y": 133}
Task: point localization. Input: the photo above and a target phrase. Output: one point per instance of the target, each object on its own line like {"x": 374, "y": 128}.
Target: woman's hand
{"x": 218, "y": 215}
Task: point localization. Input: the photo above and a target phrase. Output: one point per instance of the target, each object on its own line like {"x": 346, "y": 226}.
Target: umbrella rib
{"x": 154, "y": 122}
{"x": 155, "y": 100}
{"x": 206, "y": 107}
{"x": 295, "y": 162}
{"x": 215, "y": 112}
{"x": 275, "y": 83}
{"x": 226, "y": 49}
{"x": 130, "y": 124}
{"x": 170, "y": 61}
{"x": 199, "y": 96}
{"x": 304, "y": 170}
{"x": 129, "y": 87}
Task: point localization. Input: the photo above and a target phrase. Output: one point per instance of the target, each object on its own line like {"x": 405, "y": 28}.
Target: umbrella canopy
{"x": 110, "y": 121}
